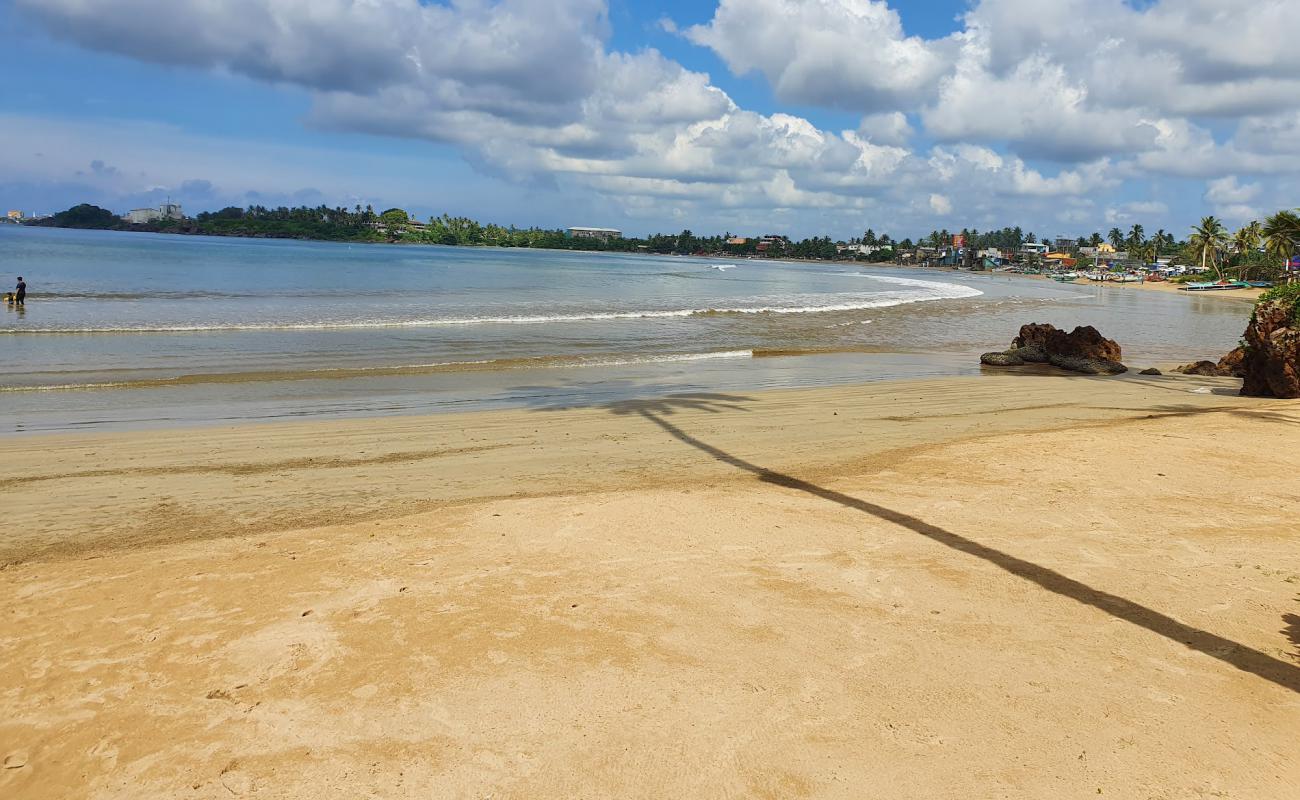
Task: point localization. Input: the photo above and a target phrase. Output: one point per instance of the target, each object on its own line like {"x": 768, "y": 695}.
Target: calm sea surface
{"x": 138, "y": 330}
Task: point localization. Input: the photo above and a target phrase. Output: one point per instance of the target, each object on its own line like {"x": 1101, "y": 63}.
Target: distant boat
{"x": 1260, "y": 284}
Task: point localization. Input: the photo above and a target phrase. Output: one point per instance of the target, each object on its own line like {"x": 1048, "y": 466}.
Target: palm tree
{"x": 1159, "y": 241}
{"x": 1281, "y": 234}
{"x": 1244, "y": 242}
{"x": 1206, "y": 241}
{"x": 1116, "y": 237}
{"x": 1136, "y": 238}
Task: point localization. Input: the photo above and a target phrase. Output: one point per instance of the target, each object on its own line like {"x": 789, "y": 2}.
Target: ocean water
{"x": 136, "y": 330}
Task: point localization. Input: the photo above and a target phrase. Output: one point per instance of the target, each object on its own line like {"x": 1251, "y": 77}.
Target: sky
{"x": 809, "y": 118}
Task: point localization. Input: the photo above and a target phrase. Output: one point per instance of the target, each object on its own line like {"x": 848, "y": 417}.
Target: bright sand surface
{"x": 1167, "y": 286}
{"x": 1020, "y": 586}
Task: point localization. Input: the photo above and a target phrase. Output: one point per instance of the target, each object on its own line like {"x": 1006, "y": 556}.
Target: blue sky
{"x": 821, "y": 117}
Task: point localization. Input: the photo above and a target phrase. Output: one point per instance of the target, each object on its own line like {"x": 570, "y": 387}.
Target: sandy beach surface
{"x": 1016, "y": 586}
{"x": 1167, "y": 286}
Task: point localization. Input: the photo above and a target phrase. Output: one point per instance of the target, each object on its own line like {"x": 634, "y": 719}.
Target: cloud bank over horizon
{"x": 1070, "y": 114}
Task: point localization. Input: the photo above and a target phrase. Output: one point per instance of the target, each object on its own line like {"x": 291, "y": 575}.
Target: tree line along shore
{"x": 1264, "y": 248}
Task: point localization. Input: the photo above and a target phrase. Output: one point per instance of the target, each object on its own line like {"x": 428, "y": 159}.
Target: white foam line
{"x": 617, "y": 362}
{"x": 959, "y": 289}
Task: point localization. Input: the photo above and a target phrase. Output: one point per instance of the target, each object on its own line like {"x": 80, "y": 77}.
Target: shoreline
{"x": 1167, "y": 287}
{"x": 771, "y": 589}
{"x": 1251, "y": 294}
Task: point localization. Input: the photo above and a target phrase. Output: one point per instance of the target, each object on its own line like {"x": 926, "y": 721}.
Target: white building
{"x": 865, "y": 249}
{"x": 140, "y": 216}
{"x": 603, "y": 234}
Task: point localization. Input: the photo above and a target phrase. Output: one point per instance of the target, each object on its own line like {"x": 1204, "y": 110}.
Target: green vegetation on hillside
{"x": 84, "y": 216}
{"x": 321, "y": 222}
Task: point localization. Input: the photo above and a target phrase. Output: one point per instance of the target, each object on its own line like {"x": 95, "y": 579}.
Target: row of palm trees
{"x": 1279, "y": 235}
{"x": 1137, "y": 244}
{"x": 1136, "y": 239}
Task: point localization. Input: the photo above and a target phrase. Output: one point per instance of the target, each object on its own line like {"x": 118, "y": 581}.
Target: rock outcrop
{"x": 1234, "y": 363}
{"x": 1007, "y": 359}
{"x": 1150, "y": 371}
{"x": 1270, "y": 364}
{"x": 1081, "y": 350}
{"x": 1034, "y": 334}
{"x": 1230, "y": 366}
{"x": 1207, "y": 369}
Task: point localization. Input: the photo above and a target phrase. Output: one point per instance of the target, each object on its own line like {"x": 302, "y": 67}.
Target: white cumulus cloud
{"x": 1029, "y": 99}
{"x": 841, "y": 53}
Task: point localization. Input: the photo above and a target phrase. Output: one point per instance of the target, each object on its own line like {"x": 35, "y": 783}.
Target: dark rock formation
{"x": 1032, "y": 353}
{"x": 1271, "y": 362}
{"x": 1088, "y": 366}
{"x": 1082, "y": 342}
{"x": 1150, "y": 371}
{"x": 1207, "y": 369}
{"x": 1234, "y": 363}
{"x": 1081, "y": 350}
{"x": 1007, "y": 359}
{"x": 1034, "y": 335}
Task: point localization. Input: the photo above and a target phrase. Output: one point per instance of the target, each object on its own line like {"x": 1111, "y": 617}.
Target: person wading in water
{"x": 20, "y": 292}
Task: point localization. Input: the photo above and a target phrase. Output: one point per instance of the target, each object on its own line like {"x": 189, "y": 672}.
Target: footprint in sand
{"x": 236, "y": 781}
{"x": 15, "y": 760}
{"x": 106, "y": 751}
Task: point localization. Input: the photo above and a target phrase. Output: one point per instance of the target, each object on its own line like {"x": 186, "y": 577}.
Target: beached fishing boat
{"x": 1218, "y": 286}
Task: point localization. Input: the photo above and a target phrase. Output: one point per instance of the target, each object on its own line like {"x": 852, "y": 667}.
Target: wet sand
{"x": 1002, "y": 586}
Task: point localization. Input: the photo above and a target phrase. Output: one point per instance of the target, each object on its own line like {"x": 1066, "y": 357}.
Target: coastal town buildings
{"x": 14, "y": 216}
{"x": 603, "y": 234}
{"x": 770, "y": 243}
{"x": 1104, "y": 252}
{"x": 863, "y": 249}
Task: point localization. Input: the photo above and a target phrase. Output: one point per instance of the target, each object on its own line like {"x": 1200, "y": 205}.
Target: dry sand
{"x": 1007, "y": 586}
{"x": 1250, "y": 295}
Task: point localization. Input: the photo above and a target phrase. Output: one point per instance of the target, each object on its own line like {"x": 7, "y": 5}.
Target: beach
{"x": 1245, "y": 295}
{"x": 1010, "y": 585}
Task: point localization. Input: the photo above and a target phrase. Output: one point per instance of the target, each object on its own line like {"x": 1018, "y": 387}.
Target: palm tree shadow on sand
{"x": 657, "y": 411}
{"x": 1292, "y": 632}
